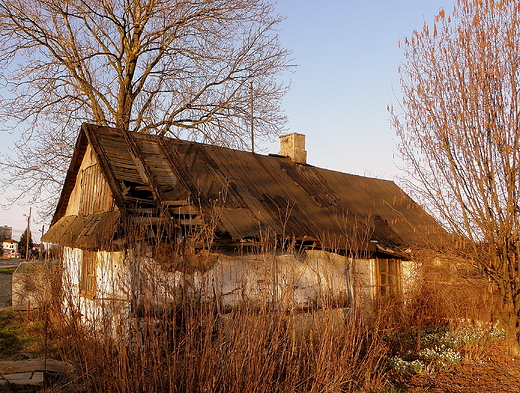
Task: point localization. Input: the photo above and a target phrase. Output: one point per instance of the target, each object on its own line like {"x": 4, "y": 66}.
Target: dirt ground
{"x": 484, "y": 369}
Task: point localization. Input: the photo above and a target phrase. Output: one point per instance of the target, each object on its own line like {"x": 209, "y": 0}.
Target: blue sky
{"x": 347, "y": 54}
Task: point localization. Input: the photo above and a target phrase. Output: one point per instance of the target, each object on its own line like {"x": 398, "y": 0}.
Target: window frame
{"x": 388, "y": 273}
{"x": 88, "y": 274}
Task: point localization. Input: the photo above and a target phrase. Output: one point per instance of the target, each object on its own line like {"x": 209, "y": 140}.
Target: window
{"x": 87, "y": 286}
{"x": 387, "y": 277}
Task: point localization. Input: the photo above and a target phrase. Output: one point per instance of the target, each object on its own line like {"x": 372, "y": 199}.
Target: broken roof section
{"x": 246, "y": 196}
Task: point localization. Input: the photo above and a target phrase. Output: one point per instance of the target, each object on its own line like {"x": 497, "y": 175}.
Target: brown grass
{"x": 243, "y": 351}
{"x": 197, "y": 347}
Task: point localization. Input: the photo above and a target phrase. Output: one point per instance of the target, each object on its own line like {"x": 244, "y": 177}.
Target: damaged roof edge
{"x": 250, "y": 189}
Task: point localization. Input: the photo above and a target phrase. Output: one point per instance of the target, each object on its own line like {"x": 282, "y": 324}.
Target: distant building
{"x": 10, "y": 247}
{"x": 6, "y": 232}
{"x": 38, "y": 249}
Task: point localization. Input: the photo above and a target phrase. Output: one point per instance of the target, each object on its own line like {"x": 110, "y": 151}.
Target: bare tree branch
{"x": 460, "y": 134}
{"x": 171, "y": 67}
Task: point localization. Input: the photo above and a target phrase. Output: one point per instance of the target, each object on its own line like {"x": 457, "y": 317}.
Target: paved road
{"x": 9, "y": 262}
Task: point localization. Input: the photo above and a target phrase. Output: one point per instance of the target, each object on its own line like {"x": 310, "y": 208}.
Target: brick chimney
{"x": 293, "y": 146}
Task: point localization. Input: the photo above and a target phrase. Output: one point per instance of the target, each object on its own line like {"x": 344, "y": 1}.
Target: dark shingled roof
{"x": 252, "y": 196}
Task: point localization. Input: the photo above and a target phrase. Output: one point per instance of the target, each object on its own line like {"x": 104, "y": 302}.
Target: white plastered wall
{"x": 294, "y": 281}
{"x": 112, "y": 287}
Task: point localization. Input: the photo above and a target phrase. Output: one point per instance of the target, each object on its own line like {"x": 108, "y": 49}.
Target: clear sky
{"x": 347, "y": 54}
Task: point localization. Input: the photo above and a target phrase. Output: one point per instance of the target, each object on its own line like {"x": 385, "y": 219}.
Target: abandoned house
{"x": 226, "y": 224}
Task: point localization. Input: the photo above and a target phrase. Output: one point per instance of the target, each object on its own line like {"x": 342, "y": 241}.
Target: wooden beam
{"x": 142, "y": 167}
{"x": 181, "y": 172}
{"x": 105, "y": 166}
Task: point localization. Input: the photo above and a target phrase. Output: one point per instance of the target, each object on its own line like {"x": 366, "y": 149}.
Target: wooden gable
{"x": 91, "y": 193}
{"x": 87, "y": 215}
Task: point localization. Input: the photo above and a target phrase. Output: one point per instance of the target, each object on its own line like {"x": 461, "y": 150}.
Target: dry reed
{"x": 196, "y": 346}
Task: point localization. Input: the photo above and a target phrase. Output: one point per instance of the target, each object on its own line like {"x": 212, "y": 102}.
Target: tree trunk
{"x": 510, "y": 317}
{"x": 513, "y": 346}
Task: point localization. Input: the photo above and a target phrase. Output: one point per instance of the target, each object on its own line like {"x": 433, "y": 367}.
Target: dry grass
{"x": 197, "y": 347}
{"x": 243, "y": 351}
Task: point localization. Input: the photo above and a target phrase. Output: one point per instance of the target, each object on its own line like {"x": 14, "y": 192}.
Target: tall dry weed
{"x": 449, "y": 290}
{"x": 194, "y": 348}
{"x": 195, "y": 345}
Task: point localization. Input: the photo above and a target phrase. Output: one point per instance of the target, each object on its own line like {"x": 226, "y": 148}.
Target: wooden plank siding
{"x": 91, "y": 193}
{"x": 95, "y": 196}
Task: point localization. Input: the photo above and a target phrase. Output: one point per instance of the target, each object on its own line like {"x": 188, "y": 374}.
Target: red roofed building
{"x": 10, "y": 248}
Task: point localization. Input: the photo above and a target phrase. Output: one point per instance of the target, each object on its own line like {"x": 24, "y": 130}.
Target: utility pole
{"x": 252, "y": 117}
{"x": 41, "y": 248}
{"x": 28, "y": 235}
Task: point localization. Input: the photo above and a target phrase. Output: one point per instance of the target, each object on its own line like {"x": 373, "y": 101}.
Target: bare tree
{"x": 170, "y": 67}
{"x": 459, "y": 127}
